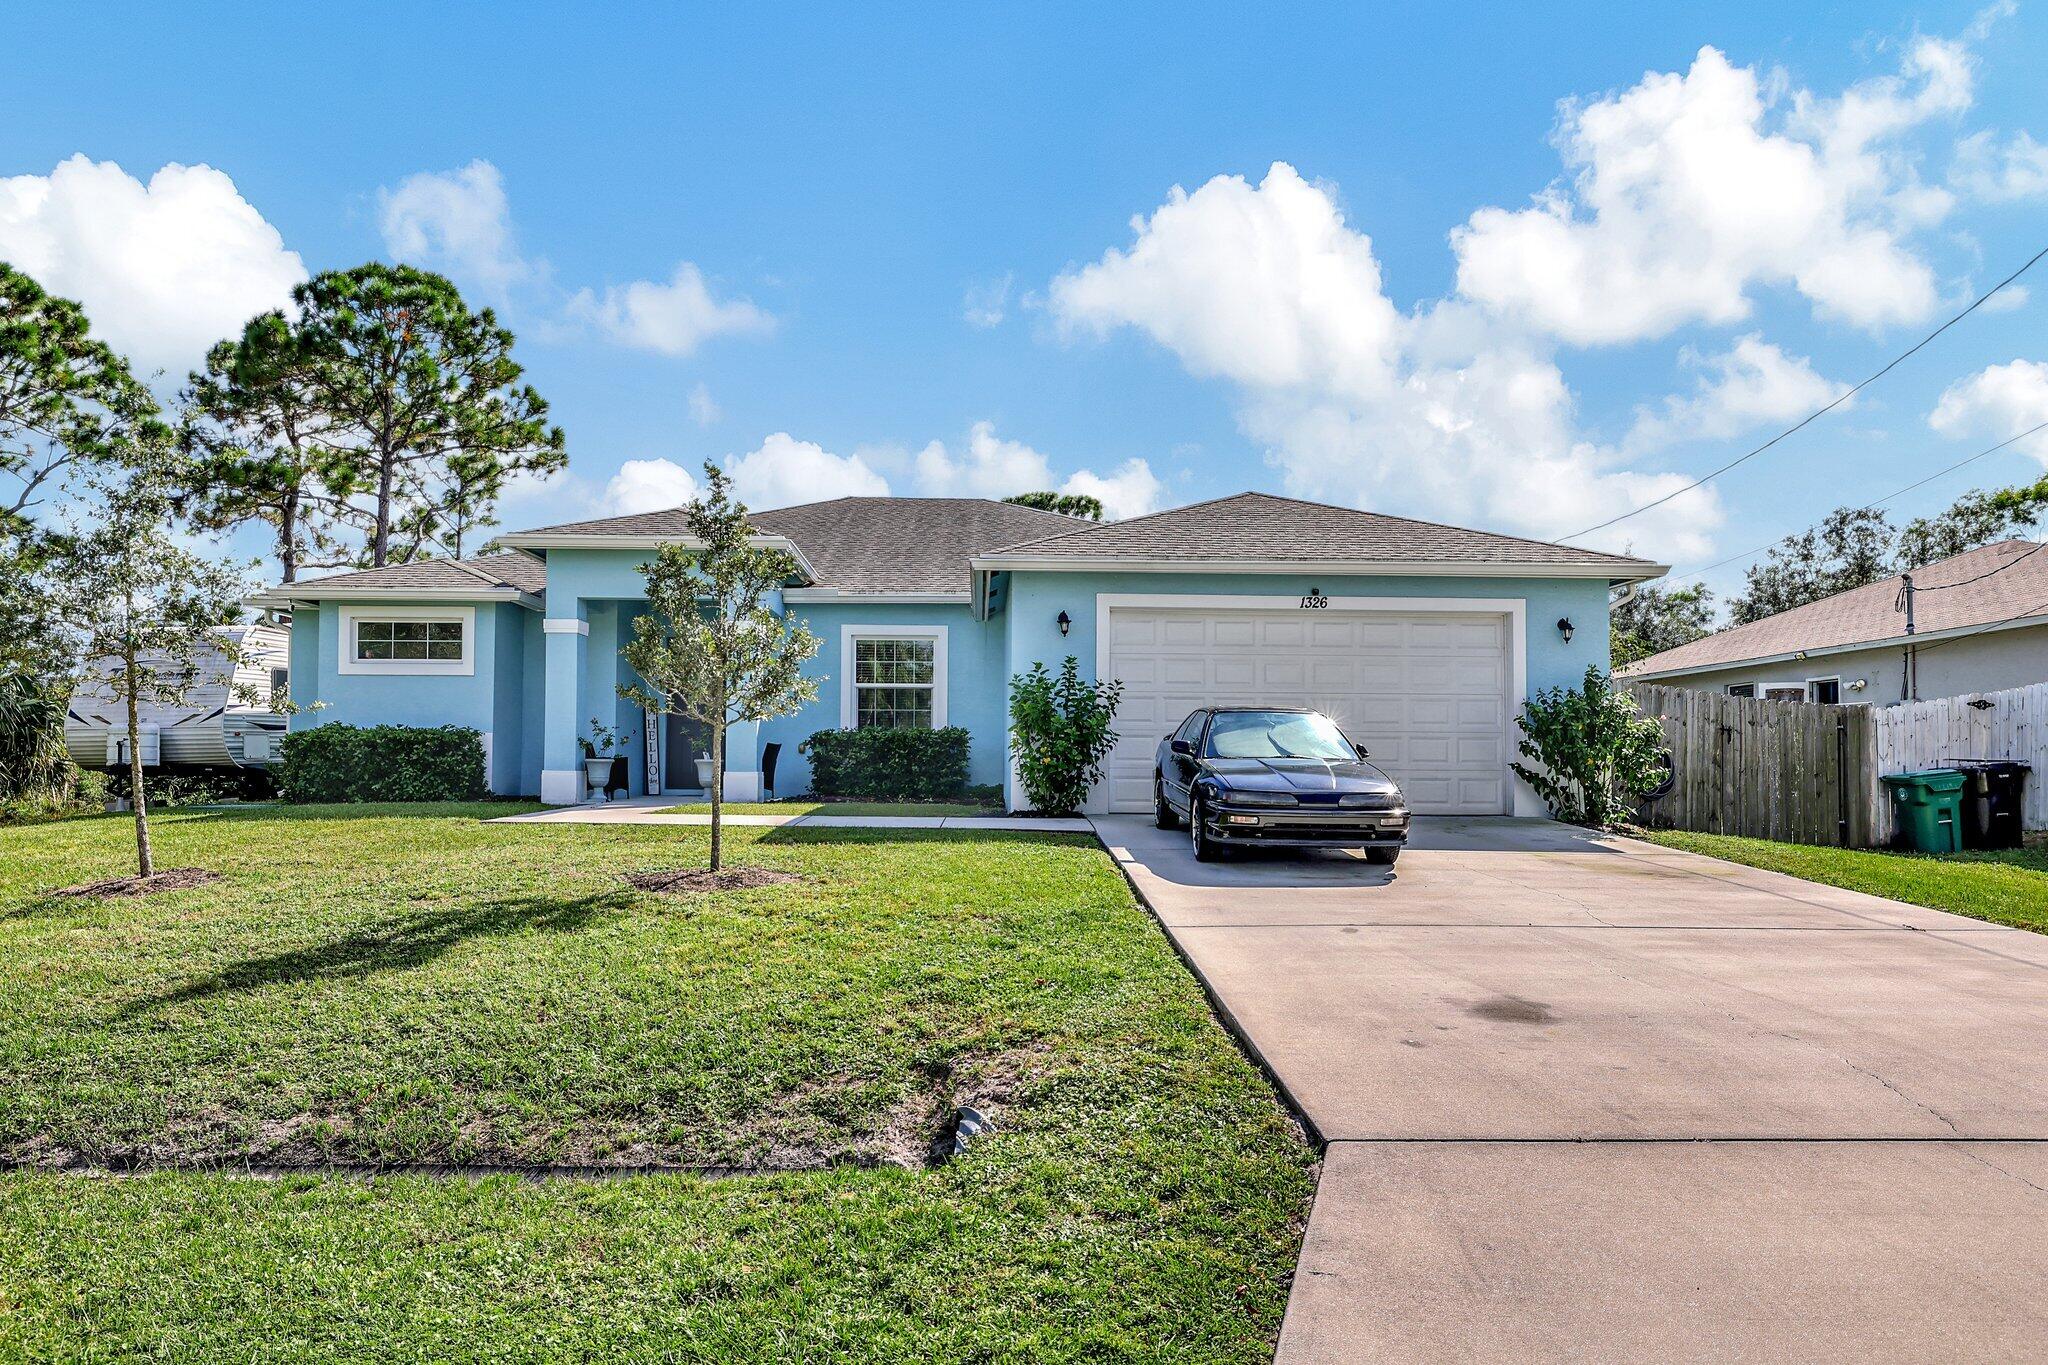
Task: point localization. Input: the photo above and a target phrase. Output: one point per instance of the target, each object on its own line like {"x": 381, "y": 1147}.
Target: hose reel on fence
{"x": 1668, "y": 781}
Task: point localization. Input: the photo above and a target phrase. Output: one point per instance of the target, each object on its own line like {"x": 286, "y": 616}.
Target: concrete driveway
{"x": 1590, "y": 1098}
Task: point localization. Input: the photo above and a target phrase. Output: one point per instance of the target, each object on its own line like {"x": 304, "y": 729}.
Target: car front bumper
{"x": 1282, "y": 827}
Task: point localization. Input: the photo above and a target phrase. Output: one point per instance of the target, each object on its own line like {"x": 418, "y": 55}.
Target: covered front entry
{"x": 1427, "y": 692}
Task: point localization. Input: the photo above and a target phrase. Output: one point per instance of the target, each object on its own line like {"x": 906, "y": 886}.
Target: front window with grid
{"x": 415, "y": 641}
{"x": 893, "y": 682}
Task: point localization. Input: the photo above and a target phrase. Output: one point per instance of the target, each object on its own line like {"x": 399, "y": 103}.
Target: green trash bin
{"x": 1927, "y": 809}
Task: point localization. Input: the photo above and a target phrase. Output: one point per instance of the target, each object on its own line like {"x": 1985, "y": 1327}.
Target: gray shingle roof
{"x": 888, "y": 545}
{"x": 2017, "y": 585}
{"x": 869, "y": 545}
{"x": 507, "y": 569}
{"x": 1260, "y": 526}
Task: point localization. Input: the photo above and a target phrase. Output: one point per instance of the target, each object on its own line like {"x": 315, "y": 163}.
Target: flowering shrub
{"x": 1598, "y": 751}
{"x": 1059, "y": 730}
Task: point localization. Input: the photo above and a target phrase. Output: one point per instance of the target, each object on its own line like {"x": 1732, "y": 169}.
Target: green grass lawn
{"x": 836, "y": 808}
{"x": 2004, "y": 887}
{"x": 389, "y": 985}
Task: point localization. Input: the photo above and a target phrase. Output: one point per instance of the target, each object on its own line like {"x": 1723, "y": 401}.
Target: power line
{"x": 1993, "y": 573}
{"x": 1869, "y": 507}
{"x": 2034, "y": 610}
{"x": 1818, "y": 413}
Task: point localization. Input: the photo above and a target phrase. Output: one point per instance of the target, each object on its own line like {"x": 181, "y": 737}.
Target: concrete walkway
{"x": 652, "y": 810}
{"x": 1590, "y": 1098}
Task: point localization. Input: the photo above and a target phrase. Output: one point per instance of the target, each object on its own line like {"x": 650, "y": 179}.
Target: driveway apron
{"x": 1588, "y": 1098}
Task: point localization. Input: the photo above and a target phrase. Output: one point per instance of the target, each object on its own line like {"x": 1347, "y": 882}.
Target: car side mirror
{"x": 1356, "y": 746}
{"x": 1179, "y": 746}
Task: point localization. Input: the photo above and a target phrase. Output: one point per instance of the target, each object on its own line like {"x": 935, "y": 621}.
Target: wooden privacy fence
{"x": 1795, "y": 771}
{"x": 1809, "y": 774}
{"x": 1932, "y": 734}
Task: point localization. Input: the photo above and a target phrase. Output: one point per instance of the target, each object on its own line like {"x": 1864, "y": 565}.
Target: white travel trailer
{"x": 226, "y": 720}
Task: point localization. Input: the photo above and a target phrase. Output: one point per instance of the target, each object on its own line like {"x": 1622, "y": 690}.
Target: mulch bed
{"x": 171, "y": 879}
{"x": 680, "y": 880}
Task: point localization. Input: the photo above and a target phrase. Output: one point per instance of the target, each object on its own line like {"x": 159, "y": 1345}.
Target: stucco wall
{"x": 489, "y": 699}
{"x": 977, "y": 679}
{"x": 1035, "y": 600}
{"x": 1989, "y": 662}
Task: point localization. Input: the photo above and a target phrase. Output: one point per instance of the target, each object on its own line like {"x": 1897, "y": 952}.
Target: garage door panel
{"x": 1424, "y": 693}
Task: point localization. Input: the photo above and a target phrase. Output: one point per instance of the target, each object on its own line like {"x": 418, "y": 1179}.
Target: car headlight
{"x": 1370, "y": 800}
{"x": 1259, "y": 799}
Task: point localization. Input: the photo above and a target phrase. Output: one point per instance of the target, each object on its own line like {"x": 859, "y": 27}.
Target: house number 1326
{"x": 1314, "y": 601}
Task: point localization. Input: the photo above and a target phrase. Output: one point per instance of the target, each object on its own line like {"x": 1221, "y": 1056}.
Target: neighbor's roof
{"x": 858, "y": 545}
{"x": 509, "y": 574}
{"x": 1256, "y": 528}
{"x": 1980, "y": 588}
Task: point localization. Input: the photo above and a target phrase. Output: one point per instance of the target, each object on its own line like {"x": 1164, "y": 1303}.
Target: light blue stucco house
{"x": 1421, "y": 640}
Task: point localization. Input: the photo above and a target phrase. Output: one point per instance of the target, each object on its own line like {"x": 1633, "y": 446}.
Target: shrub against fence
{"x": 383, "y": 763}
{"x": 888, "y": 765}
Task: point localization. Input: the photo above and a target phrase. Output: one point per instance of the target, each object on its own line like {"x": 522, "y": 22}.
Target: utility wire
{"x": 2016, "y": 559}
{"x": 2035, "y": 610}
{"x": 1818, "y": 413}
{"x": 1870, "y": 507}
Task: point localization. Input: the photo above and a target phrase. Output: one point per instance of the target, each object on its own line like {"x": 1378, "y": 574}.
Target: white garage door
{"x": 1426, "y": 694}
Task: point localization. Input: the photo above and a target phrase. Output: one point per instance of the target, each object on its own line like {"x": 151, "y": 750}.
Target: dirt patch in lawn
{"x": 172, "y": 879}
{"x": 683, "y": 880}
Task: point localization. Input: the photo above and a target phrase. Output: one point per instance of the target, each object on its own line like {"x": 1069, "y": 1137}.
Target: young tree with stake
{"x": 137, "y": 609}
{"x": 709, "y": 647}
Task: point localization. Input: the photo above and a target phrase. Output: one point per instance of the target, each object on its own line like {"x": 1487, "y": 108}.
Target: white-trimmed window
{"x": 1782, "y": 693}
{"x": 892, "y": 677}
{"x": 410, "y": 640}
{"x": 1742, "y": 689}
{"x": 1825, "y": 690}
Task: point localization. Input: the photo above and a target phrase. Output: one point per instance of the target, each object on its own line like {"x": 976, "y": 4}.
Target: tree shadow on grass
{"x": 392, "y": 946}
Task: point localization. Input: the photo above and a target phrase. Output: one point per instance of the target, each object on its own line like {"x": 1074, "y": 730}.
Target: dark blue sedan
{"x": 1274, "y": 777}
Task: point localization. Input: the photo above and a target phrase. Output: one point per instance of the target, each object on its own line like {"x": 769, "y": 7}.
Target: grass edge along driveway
{"x": 426, "y": 984}
{"x": 2007, "y": 887}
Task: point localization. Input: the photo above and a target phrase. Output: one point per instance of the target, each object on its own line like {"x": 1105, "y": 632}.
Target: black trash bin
{"x": 1992, "y": 788}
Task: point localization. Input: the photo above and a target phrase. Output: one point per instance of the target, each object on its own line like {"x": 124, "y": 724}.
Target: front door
{"x": 689, "y": 739}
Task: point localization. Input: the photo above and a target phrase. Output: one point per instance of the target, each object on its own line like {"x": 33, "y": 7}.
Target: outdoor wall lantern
{"x": 1859, "y": 684}
{"x": 1565, "y": 628}
{"x": 1066, "y": 623}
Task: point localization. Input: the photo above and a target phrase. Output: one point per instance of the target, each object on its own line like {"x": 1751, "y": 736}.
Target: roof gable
{"x": 1979, "y": 588}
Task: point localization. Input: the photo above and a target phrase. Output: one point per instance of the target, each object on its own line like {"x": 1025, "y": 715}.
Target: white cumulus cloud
{"x": 1751, "y": 384}
{"x": 458, "y": 222}
{"x": 1269, "y": 287}
{"x": 1997, "y": 402}
{"x": 990, "y": 466}
{"x": 1131, "y": 490}
{"x": 648, "y": 486}
{"x": 1688, "y": 191}
{"x": 670, "y": 318}
{"x": 1998, "y": 171}
{"x": 783, "y": 472}
{"x": 164, "y": 269}
{"x": 704, "y": 408}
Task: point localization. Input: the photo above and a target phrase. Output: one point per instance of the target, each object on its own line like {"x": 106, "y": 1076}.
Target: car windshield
{"x": 1276, "y": 734}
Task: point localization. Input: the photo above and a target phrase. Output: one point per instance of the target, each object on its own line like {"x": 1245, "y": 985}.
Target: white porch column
{"x": 561, "y": 777}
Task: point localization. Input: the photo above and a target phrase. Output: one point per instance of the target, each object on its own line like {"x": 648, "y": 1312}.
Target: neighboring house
{"x": 1980, "y": 624}
{"x": 225, "y": 721}
{"x": 1422, "y": 640}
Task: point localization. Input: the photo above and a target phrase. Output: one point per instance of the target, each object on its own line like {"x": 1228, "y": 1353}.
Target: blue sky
{"x": 1497, "y": 267}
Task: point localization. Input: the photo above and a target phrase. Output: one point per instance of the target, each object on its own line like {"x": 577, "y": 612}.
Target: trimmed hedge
{"x": 382, "y": 763}
{"x": 888, "y": 765}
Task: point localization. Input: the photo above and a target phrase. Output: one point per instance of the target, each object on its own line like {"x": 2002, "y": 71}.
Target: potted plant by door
{"x": 597, "y": 754}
